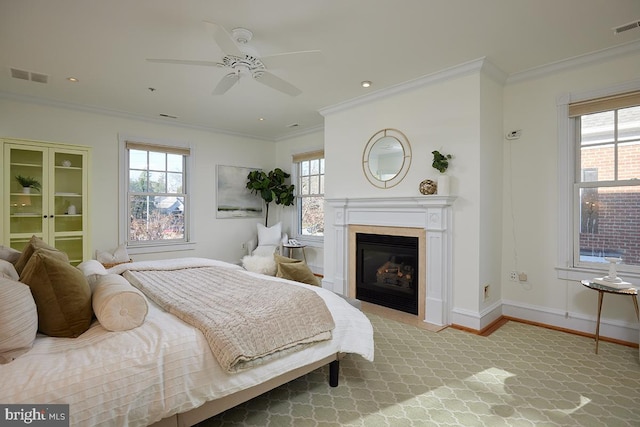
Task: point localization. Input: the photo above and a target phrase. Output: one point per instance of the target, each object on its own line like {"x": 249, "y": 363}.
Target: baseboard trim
{"x": 504, "y": 319}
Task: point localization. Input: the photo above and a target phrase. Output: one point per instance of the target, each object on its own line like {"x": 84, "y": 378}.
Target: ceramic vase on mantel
{"x": 443, "y": 185}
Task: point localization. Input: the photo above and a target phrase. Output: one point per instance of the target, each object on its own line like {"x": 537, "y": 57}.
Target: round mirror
{"x": 386, "y": 158}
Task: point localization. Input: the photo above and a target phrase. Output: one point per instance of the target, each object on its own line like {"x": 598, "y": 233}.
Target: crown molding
{"x": 467, "y": 68}
{"x": 576, "y": 61}
{"x": 122, "y": 114}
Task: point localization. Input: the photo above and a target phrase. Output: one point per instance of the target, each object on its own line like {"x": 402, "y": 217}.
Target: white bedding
{"x": 164, "y": 367}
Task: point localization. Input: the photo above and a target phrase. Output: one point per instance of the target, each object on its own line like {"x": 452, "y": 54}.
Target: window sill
{"x": 161, "y": 247}
{"x": 582, "y": 273}
{"x": 314, "y": 242}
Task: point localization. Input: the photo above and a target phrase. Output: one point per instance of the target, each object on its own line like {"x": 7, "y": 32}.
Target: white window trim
{"x": 156, "y": 247}
{"x": 312, "y": 241}
{"x": 566, "y": 175}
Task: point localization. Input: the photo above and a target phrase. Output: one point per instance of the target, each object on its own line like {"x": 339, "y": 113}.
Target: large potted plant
{"x": 441, "y": 164}
{"x": 271, "y": 187}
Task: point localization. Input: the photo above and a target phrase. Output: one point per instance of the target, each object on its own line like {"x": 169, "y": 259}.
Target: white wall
{"x": 531, "y": 188}
{"x": 443, "y": 114}
{"x": 216, "y": 238}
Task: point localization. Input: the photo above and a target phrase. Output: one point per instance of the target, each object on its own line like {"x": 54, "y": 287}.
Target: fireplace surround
{"x": 430, "y": 215}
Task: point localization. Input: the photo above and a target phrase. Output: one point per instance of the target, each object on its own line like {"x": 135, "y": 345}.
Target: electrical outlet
{"x": 513, "y": 276}
{"x": 243, "y": 245}
{"x": 486, "y": 291}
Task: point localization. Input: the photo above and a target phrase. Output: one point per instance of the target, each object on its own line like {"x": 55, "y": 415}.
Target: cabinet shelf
{"x": 27, "y": 165}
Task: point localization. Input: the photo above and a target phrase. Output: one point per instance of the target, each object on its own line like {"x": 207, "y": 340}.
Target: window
{"x": 606, "y": 190}
{"x": 156, "y": 197}
{"x": 310, "y": 194}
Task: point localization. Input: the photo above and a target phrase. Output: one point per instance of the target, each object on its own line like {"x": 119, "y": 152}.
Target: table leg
{"x": 600, "y": 295}
{"x": 635, "y": 305}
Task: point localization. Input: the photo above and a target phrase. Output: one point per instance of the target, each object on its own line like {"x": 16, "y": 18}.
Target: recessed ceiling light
{"x": 366, "y": 83}
{"x": 261, "y": 119}
{"x": 73, "y": 79}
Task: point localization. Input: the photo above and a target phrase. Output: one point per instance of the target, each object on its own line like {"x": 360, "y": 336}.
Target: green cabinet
{"x": 58, "y": 211}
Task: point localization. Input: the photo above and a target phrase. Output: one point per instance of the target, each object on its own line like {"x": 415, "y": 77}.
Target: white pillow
{"x": 117, "y": 304}
{"x": 18, "y": 319}
{"x": 119, "y": 254}
{"x": 260, "y": 264}
{"x": 92, "y": 270}
{"x": 9, "y": 254}
{"x": 8, "y": 270}
{"x": 269, "y": 235}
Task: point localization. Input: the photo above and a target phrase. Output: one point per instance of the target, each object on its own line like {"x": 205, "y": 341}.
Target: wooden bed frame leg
{"x": 334, "y": 372}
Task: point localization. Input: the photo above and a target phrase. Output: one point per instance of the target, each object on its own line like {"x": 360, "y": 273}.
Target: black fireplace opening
{"x": 387, "y": 271}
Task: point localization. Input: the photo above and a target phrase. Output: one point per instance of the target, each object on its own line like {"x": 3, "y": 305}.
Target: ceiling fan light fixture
{"x": 366, "y": 83}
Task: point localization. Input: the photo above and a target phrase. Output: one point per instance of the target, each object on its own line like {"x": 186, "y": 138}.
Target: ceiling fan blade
{"x": 186, "y": 62}
{"x": 226, "y": 83}
{"x": 224, "y": 40}
{"x": 293, "y": 59}
{"x": 277, "y": 83}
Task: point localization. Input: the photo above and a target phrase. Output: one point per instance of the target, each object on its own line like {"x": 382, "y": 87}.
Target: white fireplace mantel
{"x": 432, "y": 213}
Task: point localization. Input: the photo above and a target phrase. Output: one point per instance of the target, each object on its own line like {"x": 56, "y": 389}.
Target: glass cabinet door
{"x": 68, "y": 181}
{"x": 27, "y": 203}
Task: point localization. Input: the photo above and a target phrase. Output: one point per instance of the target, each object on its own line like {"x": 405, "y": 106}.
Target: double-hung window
{"x": 310, "y": 194}
{"x": 606, "y": 190}
{"x": 156, "y": 200}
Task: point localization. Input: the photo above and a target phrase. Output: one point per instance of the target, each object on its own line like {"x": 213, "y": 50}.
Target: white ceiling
{"x": 105, "y": 43}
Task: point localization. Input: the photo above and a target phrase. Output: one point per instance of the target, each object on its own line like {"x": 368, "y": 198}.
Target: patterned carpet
{"x": 521, "y": 375}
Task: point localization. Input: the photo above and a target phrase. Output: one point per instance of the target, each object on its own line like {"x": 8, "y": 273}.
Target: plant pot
{"x": 26, "y": 190}
{"x": 443, "y": 185}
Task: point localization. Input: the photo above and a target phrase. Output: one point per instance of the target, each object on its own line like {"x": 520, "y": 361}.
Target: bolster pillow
{"x": 117, "y": 304}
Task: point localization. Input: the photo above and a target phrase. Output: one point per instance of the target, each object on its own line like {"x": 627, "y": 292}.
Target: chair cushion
{"x": 269, "y": 235}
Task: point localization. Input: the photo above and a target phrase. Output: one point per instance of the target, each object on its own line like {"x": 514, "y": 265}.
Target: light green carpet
{"x": 521, "y": 375}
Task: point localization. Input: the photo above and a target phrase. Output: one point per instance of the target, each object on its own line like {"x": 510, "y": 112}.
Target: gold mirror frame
{"x": 370, "y": 165}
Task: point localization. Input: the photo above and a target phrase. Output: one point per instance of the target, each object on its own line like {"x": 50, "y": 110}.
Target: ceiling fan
{"x": 243, "y": 60}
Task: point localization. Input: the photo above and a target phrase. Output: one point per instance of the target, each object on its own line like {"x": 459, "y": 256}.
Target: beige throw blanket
{"x": 246, "y": 320}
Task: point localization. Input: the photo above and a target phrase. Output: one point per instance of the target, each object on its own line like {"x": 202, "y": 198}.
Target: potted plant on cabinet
{"x": 27, "y": 183}
{"x": 441, "y": 164}
{"x": 272, "y": 188}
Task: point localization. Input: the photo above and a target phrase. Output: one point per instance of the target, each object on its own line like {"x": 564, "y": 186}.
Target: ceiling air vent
{"x": 626, "y": 27}
{"x": 19, "y": 74}
{"x": 26, "y": 75}
{"x": 293, "y": 125}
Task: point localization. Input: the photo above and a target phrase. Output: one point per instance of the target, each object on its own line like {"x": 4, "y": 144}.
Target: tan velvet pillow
{"x": 61, "y": 293}
{"x": 34, "y": 244}
{"x": 284, "y": 260}
{"x": 297, "y": 271}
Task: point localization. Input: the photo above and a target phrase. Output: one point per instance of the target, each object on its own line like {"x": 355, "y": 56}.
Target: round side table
{"x": 602, "y": 289}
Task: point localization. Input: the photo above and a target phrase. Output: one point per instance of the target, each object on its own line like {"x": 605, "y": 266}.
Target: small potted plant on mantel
{"x": 28, "y": 182}
{"x": 441, "y": 164}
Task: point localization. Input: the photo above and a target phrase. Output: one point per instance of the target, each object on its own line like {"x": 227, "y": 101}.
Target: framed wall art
{"x": 233, "y": 199}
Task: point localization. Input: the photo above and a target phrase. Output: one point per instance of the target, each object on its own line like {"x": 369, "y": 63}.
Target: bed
{"x": 164, "y": 372}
